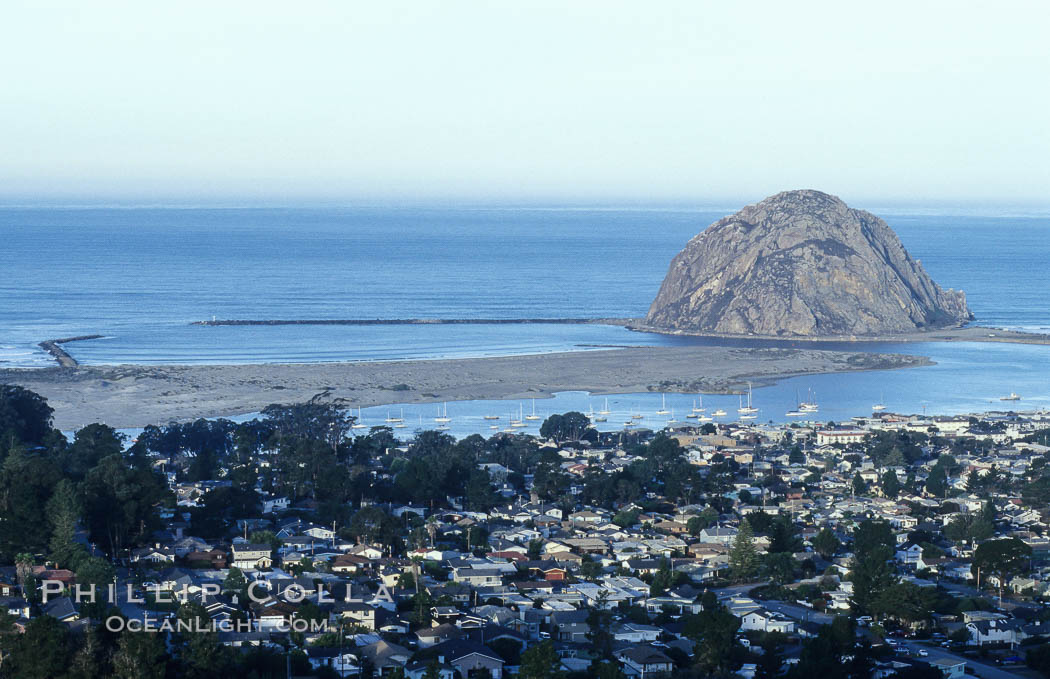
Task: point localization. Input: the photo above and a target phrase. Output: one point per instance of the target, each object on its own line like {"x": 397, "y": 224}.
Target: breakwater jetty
{"x": 425, "y": 321}
{"x": 53, "y": 347}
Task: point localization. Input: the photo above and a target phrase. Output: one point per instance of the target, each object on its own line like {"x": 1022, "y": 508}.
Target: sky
{"x": 603, "y": 102}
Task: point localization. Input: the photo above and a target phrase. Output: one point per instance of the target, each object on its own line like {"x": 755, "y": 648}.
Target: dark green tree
{"x": 1003, "y": 558}
{"x": 540, "y": 661}
{"x": 872, "y": 572}
{"x": 140, "y": 655}
{"x": 63, "y": 512}
{"x": 891, "y": 485}
{"x": 25, "y": 417}
{"x": 44, "y": 651}
{"x": 826, "y": 543}
{"x": 567, "y": 427}
{"x": 743, "y": 559}
{"x": 120, "y": 502}
{"x": 771, "y": 661}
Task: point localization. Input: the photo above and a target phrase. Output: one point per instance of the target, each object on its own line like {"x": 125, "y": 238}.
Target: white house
{"x": 250, "y": 557}
{"x": 766, "y": 621}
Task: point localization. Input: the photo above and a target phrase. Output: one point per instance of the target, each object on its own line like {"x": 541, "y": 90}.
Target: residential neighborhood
{"x": 914, "y": 546}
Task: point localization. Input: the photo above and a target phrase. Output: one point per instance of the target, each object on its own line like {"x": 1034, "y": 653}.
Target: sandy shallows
{"x": 134, "y": 396}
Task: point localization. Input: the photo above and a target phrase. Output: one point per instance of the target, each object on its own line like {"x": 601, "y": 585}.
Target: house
{"x": 548, "y": 570}
{"x": 766, "y": 621}
{"x": 350, "y": 563}
{"x": 252, "y": 557}
{"x": 950, "y": 667}
{"x": 155, "y": 554}
{"x": 1002, "y": 631}
{"x": 274, "y": 504}
{"x": 385, "y": 656}
{"x": 478, "y": 577}
{"x": 433, "y": 636}
{"x": 910, "y": 555}
{"x": 720, "y": 535}
{"x": 61, "y": 609}
{"x": 570, "y": 626}
{"x": 15, "y": 606}
{"x": 343, "y": 662}
{"x": 644, "y": 661}
{"x": 356, "y": 612}
{"x": 832, "y": 436}
{"x": 215, "y": 558}
{"x": 635, "y": 632}
{"x": 469, "y": 658}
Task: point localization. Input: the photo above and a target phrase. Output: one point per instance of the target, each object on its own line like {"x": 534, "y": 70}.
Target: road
{"x": 937, "y": 653}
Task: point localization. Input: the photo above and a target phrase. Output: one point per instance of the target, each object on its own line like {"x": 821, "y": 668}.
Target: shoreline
{"x": 130, "y": 396}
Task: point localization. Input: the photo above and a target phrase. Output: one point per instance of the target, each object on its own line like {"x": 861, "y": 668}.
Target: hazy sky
{"x": 594, "y": 102}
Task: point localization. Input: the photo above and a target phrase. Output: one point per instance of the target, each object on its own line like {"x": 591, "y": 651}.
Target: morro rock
{"x": 801, "y": 264}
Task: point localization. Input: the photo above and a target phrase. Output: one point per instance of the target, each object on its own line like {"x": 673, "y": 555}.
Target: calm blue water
{"x": 141, "y": 276}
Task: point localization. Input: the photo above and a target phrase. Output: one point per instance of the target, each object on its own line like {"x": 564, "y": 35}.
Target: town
{"x": 302, "y": 544}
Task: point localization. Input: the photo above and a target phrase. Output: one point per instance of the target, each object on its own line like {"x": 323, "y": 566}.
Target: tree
{"x": 96, "y": 574}
{"x": 550, "y": 481}
{"x": 891, "y": 485}
{"x": 42, "y": 652}
{"x": 969, "y": 528}
{"x": 772, "y": 658}
{"x": 540, "y": 661}
{"x": 236, "y": 584}
{"x": 937, "y": 482}
{"x": 905, "y": 602}
{"x": 119, "y": 502}
{"x": 872, "y": 573}
{"x": 1038, "y": 658}
{"x": 707, "y": 517}
{"x": 626, "y": 517}
{"x": 1003, "y": 558}
{"x": 743, "y": 559}
{"x": 606, "y": 670}
{"x": 567, "y": 427}
{"x": 90, "y": 445}
{"x": 25, "y": 417}
{"x": 784, "y": 535}
{"x": 780, "y": 567}
{"x": 599, "y": 623}
{"x": 63, "y": 511}
{"x": 480, "y": 494}
{"x": 714, "y": 632}
{"x": 139, "y": 655}
{"x": 826, "y": 543}
{"x": 88, "y": 662}
{"x": 201, "y": 655}
{"x": 27, "y": 480}
{"x": 859, "y": 485}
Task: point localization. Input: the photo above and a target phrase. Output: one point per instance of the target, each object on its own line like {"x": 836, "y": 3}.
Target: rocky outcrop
{"x": 802, "y": 264}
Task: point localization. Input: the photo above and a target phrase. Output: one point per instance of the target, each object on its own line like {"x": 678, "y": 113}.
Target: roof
{"x": 460, "y": 648}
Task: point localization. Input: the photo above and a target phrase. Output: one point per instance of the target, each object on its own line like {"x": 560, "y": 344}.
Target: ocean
{"x": 141, "y": 276}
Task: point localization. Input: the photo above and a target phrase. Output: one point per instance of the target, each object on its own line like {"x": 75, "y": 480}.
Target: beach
{"x": 131, "y": 396}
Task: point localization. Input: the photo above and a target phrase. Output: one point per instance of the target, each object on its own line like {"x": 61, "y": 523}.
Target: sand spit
{"x": 134, "y": 396}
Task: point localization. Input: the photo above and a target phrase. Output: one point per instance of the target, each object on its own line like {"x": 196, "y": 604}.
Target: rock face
{"x": 803, "y": 264}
